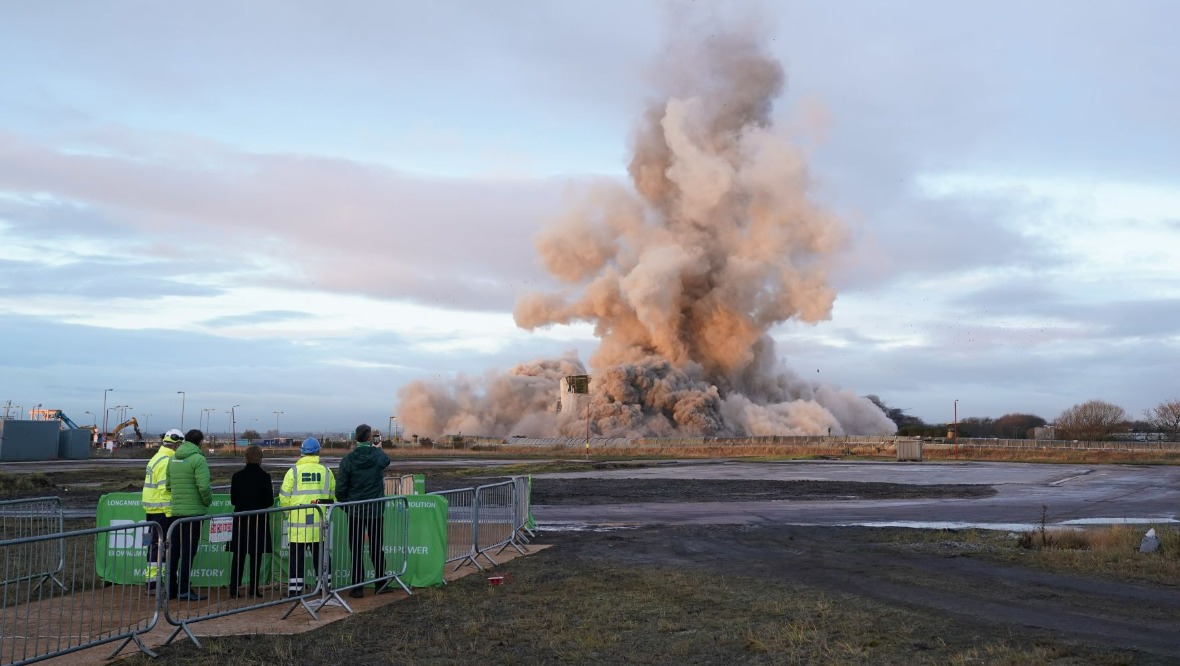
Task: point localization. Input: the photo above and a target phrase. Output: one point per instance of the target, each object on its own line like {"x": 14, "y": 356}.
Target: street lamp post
{"x": 207, "y": 418}
{"x": 103, "y": 439}
{"x": 391, "y": 433}
{"x": 277, "y": 431}
{"x": 233, "y": 424}
{"x": 182, "y": 397}
{"x": 147, "y": 422}
{"x": 93, "y": 433}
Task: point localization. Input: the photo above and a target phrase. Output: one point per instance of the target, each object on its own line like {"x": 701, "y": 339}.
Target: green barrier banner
{"x": 111, "y": 550}
{"x": 425, "y": 555}
{"x": 427, "y": 551}
{"x": 419, "y": 484}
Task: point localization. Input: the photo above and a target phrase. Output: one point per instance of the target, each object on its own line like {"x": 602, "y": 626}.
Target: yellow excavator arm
{"x": 115, "y": 432}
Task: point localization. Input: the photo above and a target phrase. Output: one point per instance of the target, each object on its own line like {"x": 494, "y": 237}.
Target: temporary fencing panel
{"x": 42, "y": 621}
{"x": 524, "y": 513}
{"x": 211, "y": 592}
{"x": 495, "y": 514}
{"x": 34, "y": 517}
{"x": 461, "y": 525}
{"x": 360, "y": 529}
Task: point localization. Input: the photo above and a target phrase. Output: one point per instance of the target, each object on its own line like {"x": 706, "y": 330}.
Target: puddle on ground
{"x": 1008, "y": 527}
{"x": 583, "y": 527}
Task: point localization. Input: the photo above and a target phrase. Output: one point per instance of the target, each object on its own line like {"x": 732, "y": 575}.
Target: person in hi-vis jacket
{"x": 157, "y": 501}
{"x": 308, "y": 482}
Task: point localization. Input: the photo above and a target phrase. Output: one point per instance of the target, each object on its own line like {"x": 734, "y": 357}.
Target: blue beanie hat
{"x": 311, "y": 445}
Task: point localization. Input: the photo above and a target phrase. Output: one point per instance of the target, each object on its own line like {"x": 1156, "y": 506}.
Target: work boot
{"x": 357, "y": 593}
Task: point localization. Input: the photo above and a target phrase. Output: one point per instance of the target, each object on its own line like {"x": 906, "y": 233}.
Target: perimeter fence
{"x": 486, "y": 518}
{"x": 84, "y": 609}
{"x": 883, "y": 441}
{"x": 33, "y": 517}
{"x": 302, "y": 556}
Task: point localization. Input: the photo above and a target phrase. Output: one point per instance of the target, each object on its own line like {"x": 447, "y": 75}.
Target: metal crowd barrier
{"x": 461, "y": 526}
{"x": 36, "y": 516}
{"x": 39, "y": 622}
{"x": 495, "y": 519}
{"x": 380, "y": 524}
{"x": 92, "y": 604}
{"x": 524, "y": 495}
{"x": 213, "y": 601}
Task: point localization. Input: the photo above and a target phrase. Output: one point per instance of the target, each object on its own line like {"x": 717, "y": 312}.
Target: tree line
{"x": 1091, "y": 420}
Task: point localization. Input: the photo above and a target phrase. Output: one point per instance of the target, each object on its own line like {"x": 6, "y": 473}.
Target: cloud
{"x": 386, "y": 169}
{"x": 327, "y": 224}
{"x": 260, "y": 317}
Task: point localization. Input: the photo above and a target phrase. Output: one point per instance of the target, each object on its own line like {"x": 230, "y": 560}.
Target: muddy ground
{"x": 941, "y": 577}
{"x": 952, "y": 595}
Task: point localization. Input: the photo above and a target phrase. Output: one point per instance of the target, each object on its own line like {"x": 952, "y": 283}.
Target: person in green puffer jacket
{"x": 188, "y": 481}
{"x": 361, "y": 476}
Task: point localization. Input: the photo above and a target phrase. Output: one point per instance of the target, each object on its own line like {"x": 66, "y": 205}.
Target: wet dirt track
{"x": 1067, "y": 493}
{"x": 703, "y": 517}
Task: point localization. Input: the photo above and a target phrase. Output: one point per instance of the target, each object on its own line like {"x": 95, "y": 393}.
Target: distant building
{"x": 573, "y": 394}
{"x": 1044, "y": 432}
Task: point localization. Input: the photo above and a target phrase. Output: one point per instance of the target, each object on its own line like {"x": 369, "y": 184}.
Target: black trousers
{"x": 367, "y": 520}
{"x": 181, "y": 551}
{"x": 248, "y": 541}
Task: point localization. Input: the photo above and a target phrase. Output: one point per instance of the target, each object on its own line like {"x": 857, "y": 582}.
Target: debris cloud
{"x": 682, "y": 274}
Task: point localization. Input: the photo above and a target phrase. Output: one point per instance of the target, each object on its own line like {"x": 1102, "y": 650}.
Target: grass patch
{"x": 34, "y": 484}
{"x": 1110, "y": 552}
{"x": 560, "y": 609}
{"x": 1107, "y": 552}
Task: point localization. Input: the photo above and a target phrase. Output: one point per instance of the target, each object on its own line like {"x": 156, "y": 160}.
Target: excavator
{"x": 115, "y": 436}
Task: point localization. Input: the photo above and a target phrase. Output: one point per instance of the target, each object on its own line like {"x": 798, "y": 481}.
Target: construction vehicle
{"x": 115, "y": 436}
{"x": 67, "y": 422}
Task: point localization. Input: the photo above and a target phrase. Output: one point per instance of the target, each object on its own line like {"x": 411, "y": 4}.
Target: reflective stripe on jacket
{"x": 156, "y": 497}
{"x": 308, "y": 482}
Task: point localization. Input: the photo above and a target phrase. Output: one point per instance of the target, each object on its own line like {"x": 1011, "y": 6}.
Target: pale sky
{"x": 301, "y": 206}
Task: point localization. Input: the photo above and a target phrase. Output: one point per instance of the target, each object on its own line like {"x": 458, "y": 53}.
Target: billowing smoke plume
{"x": 682, "y": 275}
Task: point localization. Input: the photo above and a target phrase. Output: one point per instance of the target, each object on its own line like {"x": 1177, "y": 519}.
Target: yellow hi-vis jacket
{"x": 308, "y": 482}
{"x": 156, "y": 497}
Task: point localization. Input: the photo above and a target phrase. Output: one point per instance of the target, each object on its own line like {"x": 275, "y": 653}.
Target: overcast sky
{"x": 301, "y": 206}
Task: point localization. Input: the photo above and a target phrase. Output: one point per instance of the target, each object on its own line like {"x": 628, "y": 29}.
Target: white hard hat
{"x": 174, "y": 436}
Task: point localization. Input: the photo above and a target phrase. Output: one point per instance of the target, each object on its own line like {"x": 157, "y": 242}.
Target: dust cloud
{"x": 682, "y": 273}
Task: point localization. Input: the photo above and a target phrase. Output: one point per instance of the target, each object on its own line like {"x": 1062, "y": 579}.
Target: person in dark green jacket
{"x": 361, "y": 476}
{"x": 188, "y": 481}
